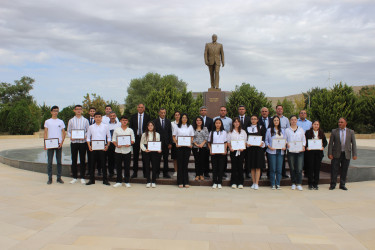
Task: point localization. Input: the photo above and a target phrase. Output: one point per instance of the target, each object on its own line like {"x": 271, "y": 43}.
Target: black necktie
{"x": 162, "y": 123}
{"x": 91, "y": 120}
{"x": 241, "y": 120}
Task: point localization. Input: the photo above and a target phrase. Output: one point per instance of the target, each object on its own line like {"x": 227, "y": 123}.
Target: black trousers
{"x": 97, "y": 157}
{"x": 123, "y": 159}
{"x": 136, "y": 148}
{"x": 237, "y": 168}
{"x": 218, "y": 165}
{"x": 201, "y": 160}
{"x": 164, "y": 154}
{"x": 339, "y": 163}
{"x": 247, "y": 166}
{"x": 183, "y": 155}
{"x": 154, "y": 159}
{"x": 313, "y": 161}
{"x": 110, "y": 158}
{"x": 80, "y": 148}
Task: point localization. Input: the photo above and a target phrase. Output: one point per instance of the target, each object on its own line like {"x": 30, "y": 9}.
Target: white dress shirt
{"x": 98, "y": 132}
{"x": 219, "y": 137}
{"x": 120, "y": 131}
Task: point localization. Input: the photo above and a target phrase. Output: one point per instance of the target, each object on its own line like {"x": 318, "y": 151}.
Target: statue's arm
{"x": 206, "y": 54}
{"x": 222, "y": 55}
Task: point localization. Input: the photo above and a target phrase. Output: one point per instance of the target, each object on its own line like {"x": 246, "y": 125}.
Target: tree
{"x": 45, "y": 114}
{"x": 365, "y": 121}
{"x": 329, "y": 105}
{"x": 309, "y": 95}
{"x": 66, "y": 114}
{"x": 367, "y": 91}
{"x": 95, "y": 101}
{"x": 140, "y": 88}
{"x": 288, "y": 107}
{"x": 248, "y": 96}
{"x": 12, "y": 93}
{"x": 20, "y": 119}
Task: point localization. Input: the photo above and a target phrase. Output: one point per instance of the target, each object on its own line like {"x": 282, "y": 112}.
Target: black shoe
{"x": 167, "y": 176}
{"x": 90, "y": 183}
{"x": 310, "y": 187}
{"x": 332, "y": 187}
{"x": 106, "y": 183}
{"x": 248, "y": 176}
{"x": 225, "y": 175}
{"x": 286, "y": 176}
{"x": 206, "y": 176}
{"x": 316, "y": 187}
{"x": 100, "y": 173}
{"x": 134, "y": 176}
{"x": 59, "y": 180}
{"x": 343, "y": 188}
{"x": 49, "y": 182}
{"x": 110, "y": 175}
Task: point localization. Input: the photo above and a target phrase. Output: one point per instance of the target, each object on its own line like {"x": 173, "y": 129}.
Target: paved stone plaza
{"x": 34, "y": 215}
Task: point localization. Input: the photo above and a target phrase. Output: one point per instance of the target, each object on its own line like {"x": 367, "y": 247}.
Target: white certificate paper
{"x": 78, "y": 134}
{"x": 295, "y": 146}
{"x": 184, "y": 141}
{"x": 154, "y": 145}
{"x": 315, "y": 144}
{"x": 278, "y": 143}
{"x": 97, "y": 145}
{"x": 218, "y": 148}
{"x": 51, "y": 143}
{"x": 123, "y": 140}
{"x": 254, "y": 140}
{"x": 237, "y": 145}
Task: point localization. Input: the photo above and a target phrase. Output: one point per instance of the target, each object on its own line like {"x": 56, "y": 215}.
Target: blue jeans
{"x": 295, "y": 161}
{"x": 275, "y": 165}
{"x": 50, "y": 153}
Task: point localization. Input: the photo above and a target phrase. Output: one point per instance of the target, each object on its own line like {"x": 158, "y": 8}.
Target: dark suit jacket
{"x": 260, "y": 122}
{"x": 246, "y": 122}
{"x": 166, "y": 133}
{"x": 93, "y": 121}
{"x": 334, "y": 146}
{"x": 208, "y": 124}
{"x": 134, "y": 123}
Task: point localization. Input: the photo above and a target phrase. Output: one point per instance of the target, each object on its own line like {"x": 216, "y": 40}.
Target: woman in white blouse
{"x": 185, "y": 131}
{"x": 150, "y": 156}
{"x": 177, "y": 116}
{"x": 237, "y": 155}
{"x": 295, "y": 135}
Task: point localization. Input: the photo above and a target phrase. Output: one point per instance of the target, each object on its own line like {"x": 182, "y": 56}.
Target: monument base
{"x": 213, "y": 100}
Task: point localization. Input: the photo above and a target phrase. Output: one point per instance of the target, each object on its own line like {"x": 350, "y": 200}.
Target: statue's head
{"x": 214, "y": 38}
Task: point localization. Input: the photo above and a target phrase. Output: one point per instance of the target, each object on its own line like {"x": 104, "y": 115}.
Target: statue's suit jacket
{"x": 334, "y": 147}
{"x": 214, "y": 53}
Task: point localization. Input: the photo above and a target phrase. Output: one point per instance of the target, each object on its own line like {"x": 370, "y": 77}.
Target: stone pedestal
{"x": 213, "y": 99}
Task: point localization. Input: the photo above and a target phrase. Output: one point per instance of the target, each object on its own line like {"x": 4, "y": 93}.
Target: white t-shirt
{"x": 55, "y": 127}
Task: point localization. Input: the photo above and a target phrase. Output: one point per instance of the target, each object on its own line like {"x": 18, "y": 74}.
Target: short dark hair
{"x": 162, "y": 108}
{"x": 108, "y": 106}
{"x": 124, "y": 117}
{"x": 279, "y": 105}
{"x": 78, "y": 106}
{"x": 92, "y": 108}
{"x": 54, "y": 107}
{"x": 241, "y": 106}
{"x": 97, "y": 113}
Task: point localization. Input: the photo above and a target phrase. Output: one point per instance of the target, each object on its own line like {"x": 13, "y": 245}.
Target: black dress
{"x": 255, "y": 155}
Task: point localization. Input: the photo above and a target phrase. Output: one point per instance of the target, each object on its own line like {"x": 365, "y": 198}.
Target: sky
{"x": 281, "y": 47}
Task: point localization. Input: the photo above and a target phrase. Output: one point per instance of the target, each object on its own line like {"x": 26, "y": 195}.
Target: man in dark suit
{"x": 208, "y": 123}
{"x": 342, "y": 146}
{"x": 265, "y": 121}
{"x": 138, "y": 123}
{"x": 245, "y": 122}
{"x": 164, "y": 127}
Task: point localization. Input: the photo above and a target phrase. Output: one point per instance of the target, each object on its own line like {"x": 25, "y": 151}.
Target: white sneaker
{"x": 299, "y": 187}
{"x": 256, "y": 187}
{"x": 293, "y": 186}
{"x": 83, "y": 181}
{"x": 214, "y": 186}
{"x": 273, "y": 187}
{"x": 219, "y": 186}
{"x": 73, "y": 181}
{"x": 153, "y": 185}
{"x": 118, "y": 184}
{"x": 278, "y": 187}
{"x": 175, "y": 174}
{"x": 148, "y": 185}
{"x": 240, "y": 186}
{"x": 252, "y": 186}
{"x": 234, "y": 186}
{"x": 127, "y": 185}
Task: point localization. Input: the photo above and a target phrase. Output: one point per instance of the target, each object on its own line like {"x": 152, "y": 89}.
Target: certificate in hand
{"x": 154, "y": 145}
{"x": 315, "y": 144}
{"x": 98, "y": 144}
{"x": 254, "y": 140}
{"x": 78, "y": 134}
{"x": 217, "y": 148}
{"x": 295, "y": 146}
{"x": 278, "y": 143}
{"x": 184, "y": 141}
{"x": 123, "y": 140}
{"x": 237, "y": 145}
{"x": 51, "y": 143}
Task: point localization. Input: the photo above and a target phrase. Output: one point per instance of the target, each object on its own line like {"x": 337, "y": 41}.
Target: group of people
{"x": 207, "y": 138}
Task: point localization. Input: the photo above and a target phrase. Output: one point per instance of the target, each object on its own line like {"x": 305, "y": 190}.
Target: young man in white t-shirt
{"x": 54, "y": 128}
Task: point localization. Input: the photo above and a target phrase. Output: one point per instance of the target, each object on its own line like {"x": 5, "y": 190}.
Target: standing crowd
{"x": 252, "y": 143}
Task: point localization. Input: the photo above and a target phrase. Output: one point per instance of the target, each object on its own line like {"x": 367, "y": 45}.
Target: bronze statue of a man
{"x": 213, "y": 56}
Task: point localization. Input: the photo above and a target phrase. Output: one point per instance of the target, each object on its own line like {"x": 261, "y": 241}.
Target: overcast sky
{"x": 76, "y": 47}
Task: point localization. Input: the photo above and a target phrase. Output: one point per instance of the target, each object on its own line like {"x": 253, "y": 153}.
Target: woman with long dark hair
{"x": 200, "y": 149}
{"x": 314, "y": 157}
